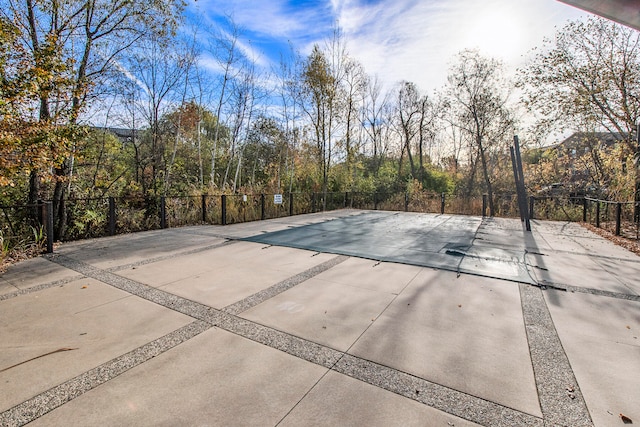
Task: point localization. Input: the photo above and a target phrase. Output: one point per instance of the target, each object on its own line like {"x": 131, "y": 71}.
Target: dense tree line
{"x": 316, "y": 122}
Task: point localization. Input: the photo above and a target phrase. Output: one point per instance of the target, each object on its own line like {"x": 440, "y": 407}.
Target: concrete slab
{"x": 223, "y": 276}
{"x": 326, "y": 312}
{"x": 340, "y": 400}
{"x": 601, "y": 337}
{"x": 6, "y": 287}
{"x": 625, "y": 271}
{"x": 578, "y": 270}
{"x": 466, "y": 333}
{"x": 216, "y": 378}
{"x": 97, "y": 321}
{"x": 108, "y": 252}
{"x": 32, "y": 272}
{"x": 372, "y": 275}
{"x": 225, "y": 285}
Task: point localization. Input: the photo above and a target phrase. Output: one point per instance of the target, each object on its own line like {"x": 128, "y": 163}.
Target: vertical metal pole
{"x": 346, "y": 195}
{"x": 406, "y": 201}
{"x": 313, "y": 202}
{"x": 375, "y": 201}
{"x": 262, "y": 207}
{"x": 618, "y": 217}
{"x": 163, "y": 212}
{"x": 532, "y": 201}
{"x": 204, "y": 208}
{"x": 224, "y": 209}
{"x": 598, "y": 213}
{"x": 523, "y": 190}
{"x": 112, "y": 216}
{"x": 290, "y": 204}
{"x": 49, "y": 216}
{"x": 442, "y": 201}
{"x": 584, "y": 209}
{"x": 512, "y": 151}
{"x": 41, "y": 210}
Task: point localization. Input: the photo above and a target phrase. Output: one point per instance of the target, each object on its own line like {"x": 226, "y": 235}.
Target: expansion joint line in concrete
{"x": 57, "y": 396}
{"x": 172, "y": 255}
{"x": 40, "y": 287}
{"x": 53, "y": 257}
{"x": 278, "y": 288}
{"x": 589, "y": 291}
{"x": 561, "y": 400}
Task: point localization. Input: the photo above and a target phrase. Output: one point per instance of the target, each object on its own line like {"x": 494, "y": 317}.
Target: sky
{"x": 413, "y": 40}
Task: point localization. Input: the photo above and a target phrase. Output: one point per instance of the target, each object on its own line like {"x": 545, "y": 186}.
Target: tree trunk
{"x": 487, "y": 179}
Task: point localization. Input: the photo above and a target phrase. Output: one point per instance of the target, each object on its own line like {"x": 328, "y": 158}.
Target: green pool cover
{"x": 450, "y": 242}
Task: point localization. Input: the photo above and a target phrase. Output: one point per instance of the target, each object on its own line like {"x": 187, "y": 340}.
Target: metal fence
{"x": 96, "y": 217}
{"x": 27, "y": 228}
{"x": 619, "y": 218}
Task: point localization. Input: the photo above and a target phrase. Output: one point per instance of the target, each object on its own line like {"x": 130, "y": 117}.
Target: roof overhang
{"x": 626, "y": 12}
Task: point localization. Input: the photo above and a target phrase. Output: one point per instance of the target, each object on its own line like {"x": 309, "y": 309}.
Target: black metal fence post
{"x": 290, "y": 204}
{"x": 204, "y": 208}
{"x": 262, "y": 217}
{"x": 598, "y": 213}
{"x": 442, "y": 202}
{"x": 224, "y": 209}
{"x": 532, "y": 201}
{"x": 618, "y": 217}
{"x": 49, "y": 225}
{"x": 112, "y": 216}
{"x": 375, "y": 201}
{"x": 585, "y": 202}
{"x": 313, "y": 202}
{"x": 406, "y": 201}
{"x": 346, "y": 196}
{"x": 163, "y": 212}
{"x": 41, "y": 211}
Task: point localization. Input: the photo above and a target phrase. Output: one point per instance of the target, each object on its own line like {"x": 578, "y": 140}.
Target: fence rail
{"x": 96, "y": 217}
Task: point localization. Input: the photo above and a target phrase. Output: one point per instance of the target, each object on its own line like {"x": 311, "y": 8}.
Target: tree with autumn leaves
{"x": 33, "y": 136}
{"x": 61, "y": 53}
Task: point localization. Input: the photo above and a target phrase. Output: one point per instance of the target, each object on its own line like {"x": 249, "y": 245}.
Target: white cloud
{"x": 412, "y": 40}
{"x": 416, "y": 40}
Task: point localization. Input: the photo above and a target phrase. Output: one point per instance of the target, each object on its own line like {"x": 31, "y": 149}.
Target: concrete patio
{"x": 341, "y": 318}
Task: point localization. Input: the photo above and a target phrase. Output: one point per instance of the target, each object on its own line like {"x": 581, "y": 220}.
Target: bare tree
{"x": 225, "y": 51}
{"x": 375, "y": 105}
{"x": 159, "y": 68}
{"x": 476, "y": 92}
{"x": 355, "y": 81}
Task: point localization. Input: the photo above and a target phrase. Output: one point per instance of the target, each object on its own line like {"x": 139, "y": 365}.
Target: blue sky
{"x": 413, "y": 40}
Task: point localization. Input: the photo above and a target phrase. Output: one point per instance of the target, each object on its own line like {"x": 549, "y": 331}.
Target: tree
{"x": 87, "y": 36}
{"x": 28, "y": 142}
{"x": 373, "y": 120}
{"x": 476, "y": 92}
{"x": 320, "y": 87}
{"x": 355, "y": 82}
{"x": 159, "y": 69}
{"x": 587, "y": 78}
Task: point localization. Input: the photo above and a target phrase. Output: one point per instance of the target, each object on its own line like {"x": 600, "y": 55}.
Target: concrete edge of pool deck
{"x": 214, "y": 325}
